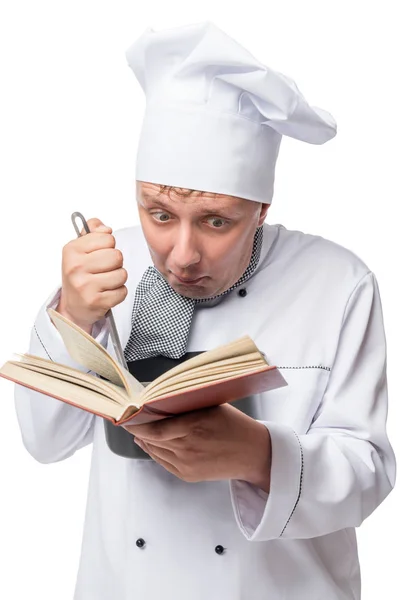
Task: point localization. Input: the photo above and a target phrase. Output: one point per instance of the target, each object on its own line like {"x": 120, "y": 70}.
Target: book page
{"x": 86, "y": 351}
{"x": 196, "y": 382}
{"x": 211, "y": 372}
{"x": 238, "y": 348}
{"x": 63, "y": 390}
{"x": 114, "y": 392}
{"x": 230, "y": 364}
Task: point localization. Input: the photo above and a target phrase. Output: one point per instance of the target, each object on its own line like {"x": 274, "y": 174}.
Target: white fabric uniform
{"x": 314, "y": 308}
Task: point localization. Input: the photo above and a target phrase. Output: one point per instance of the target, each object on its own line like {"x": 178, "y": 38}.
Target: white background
{"x": 69, "y": 120}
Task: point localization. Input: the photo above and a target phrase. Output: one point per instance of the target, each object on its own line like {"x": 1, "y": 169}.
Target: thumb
{"x": 96, "y": 225}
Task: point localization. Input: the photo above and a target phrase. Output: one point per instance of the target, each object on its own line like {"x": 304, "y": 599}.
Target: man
{"x": 246, "y": 501}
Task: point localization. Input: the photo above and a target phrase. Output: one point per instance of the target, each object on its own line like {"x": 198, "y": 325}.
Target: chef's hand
{"x": 92, "y": 276}
{"x": 209, "y": 444}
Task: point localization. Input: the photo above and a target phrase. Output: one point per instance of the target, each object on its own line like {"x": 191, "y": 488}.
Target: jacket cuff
{"x": 262, "y": 516}
{"x": 51, "y": 340}
{"x": 249, "y": 504}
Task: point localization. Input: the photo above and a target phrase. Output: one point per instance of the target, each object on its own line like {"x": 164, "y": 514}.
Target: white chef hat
{"x": 214, "y": 115}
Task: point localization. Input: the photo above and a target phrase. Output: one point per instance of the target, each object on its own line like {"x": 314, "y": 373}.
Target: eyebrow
{"x": 233, "y": 212}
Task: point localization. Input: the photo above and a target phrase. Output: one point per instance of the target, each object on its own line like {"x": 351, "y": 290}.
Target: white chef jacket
{"x": 314, "y": 308}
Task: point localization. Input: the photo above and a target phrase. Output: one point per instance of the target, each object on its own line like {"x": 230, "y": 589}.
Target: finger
{"x": 172, "y": 446}
{"x": 103, "y": 260}
{"x": 95, "y": 224}
{"x": 94, "y": 241}
{"x": 111, "y": 280}
{"x": 163, "y": 430}
{"x": 158, "y": 456}
{"x": 111, "y": 298}
{"x": 159, "y": 451}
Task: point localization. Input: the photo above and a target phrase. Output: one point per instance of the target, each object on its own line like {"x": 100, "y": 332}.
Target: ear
{"x": 263, "y": 214}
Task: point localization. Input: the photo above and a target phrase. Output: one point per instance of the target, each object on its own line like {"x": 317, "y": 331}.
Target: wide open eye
{"x": 163, "y": 216}
{"x": 217, "y": 222}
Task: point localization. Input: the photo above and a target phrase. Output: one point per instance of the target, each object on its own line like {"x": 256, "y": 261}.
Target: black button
{"x": 219, "y": 549}
{"x": 243, "y": 292}
{"x": 140, "y": 543}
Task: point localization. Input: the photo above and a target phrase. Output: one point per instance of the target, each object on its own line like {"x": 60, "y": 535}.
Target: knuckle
{"x": 68, "y": 250}
{"x": 156, "y": 435}
{"x": 199, "y": 431}
{"x": 120, "y": 294}
{"x": 92, "y": 300}
{"x": 70, "y": 272}
{"x": 119, "y": 257}
{"x": 73, "y": 268}
{"x": 110, "y": 240}
{"x": 93, "y": 223}
{"x": 157, "y": 430}
{"x": 80, "y": 283}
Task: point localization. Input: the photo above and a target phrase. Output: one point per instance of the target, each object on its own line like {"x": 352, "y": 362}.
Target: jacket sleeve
{"x": 51, "y": 429}
{"x": 336, "y": 474}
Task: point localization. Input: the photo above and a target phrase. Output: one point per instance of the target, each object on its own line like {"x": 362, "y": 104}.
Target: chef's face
{"x": 201, "y": 244}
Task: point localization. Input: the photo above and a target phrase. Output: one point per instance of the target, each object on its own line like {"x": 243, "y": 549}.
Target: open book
{"x": 225, "y": 374}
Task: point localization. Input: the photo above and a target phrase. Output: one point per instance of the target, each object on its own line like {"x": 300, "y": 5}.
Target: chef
{"x": 245, "y": 501}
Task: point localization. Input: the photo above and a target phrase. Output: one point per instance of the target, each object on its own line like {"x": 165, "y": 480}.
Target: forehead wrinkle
{"x": 200, "y": 207}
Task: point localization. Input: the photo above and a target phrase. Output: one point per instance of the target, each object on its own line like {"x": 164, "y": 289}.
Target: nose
{"x": 186, "y": 252}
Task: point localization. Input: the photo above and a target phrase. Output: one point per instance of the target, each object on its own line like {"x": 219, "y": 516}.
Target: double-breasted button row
{"x": 140, "y": 543}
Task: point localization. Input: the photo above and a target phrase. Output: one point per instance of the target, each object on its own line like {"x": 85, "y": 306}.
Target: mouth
{"x": 188, "y": 281}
